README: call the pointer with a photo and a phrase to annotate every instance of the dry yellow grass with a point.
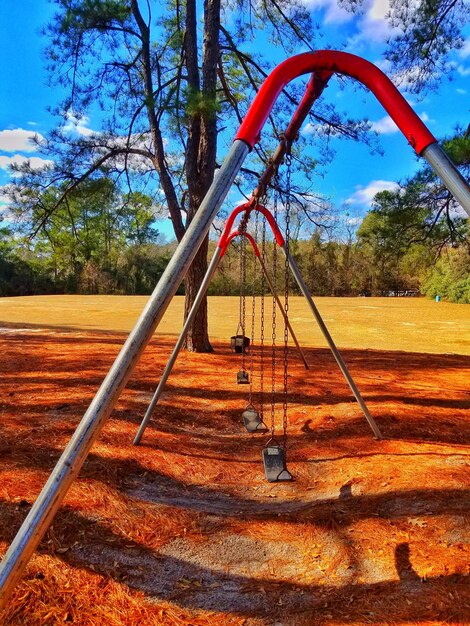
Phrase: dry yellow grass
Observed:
(408, 324)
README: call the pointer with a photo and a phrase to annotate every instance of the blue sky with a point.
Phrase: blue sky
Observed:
(350, 180)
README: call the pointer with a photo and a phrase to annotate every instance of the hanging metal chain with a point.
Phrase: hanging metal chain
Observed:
(243, 298)
(253, 312)
(240, 285)
(244, 221)
(273, 335)
(261, 340)
(286, 301)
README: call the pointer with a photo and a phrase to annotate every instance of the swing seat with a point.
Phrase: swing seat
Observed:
(274, 461)
(242, 378)
(252, 420)
(239, 343)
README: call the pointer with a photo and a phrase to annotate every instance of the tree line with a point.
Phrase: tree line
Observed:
(99, 240)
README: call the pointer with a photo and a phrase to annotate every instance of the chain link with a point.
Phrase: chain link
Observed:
(243, 298)
(286, 302)
(263, 289)
(253, 311)
(244, 221)
(273, 334)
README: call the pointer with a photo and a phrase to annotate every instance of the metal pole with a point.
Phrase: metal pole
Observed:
(73, 457)
(449, 174)
(281, 308)
(171, 361)
(339, 359)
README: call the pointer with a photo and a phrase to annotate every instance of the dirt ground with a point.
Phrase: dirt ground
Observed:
(184, 529)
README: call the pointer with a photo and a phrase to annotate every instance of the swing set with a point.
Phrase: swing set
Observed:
(274, 453)
(321, 66)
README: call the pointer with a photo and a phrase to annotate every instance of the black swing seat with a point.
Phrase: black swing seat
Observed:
(252, 420)
(274, 461)
(239, 343)
(243, 378)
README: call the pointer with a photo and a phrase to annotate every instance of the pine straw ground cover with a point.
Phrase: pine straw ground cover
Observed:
(185, 530)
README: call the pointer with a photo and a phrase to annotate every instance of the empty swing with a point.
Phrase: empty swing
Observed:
(253, 419)
(240, 342)
(275, 451)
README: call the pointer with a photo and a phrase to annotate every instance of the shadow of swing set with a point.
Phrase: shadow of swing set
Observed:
(321, 66)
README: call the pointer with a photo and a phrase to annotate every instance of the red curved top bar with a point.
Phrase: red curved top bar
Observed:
(351, 65)
(236, 233)
(240, 209)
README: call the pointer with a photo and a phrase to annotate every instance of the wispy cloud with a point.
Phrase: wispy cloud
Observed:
(384, 126)
(334, 14)
(463, 71)
(464, 51)
(36, 163)
(461, 91)
(373, 25)
(12, 140)
(365, 194)
(353, 221)
(4, 198)
(77, 124)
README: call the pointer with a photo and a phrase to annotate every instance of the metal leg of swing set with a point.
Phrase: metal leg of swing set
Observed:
(192, 313)
(339, 359)
(49, 500)
(179, 344)
(284, 315)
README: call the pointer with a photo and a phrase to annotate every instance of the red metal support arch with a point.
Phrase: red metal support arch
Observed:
(331, 61)
(237, 233)
(248, 207)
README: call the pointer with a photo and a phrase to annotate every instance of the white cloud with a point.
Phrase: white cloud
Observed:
(311, 129)
(18, 139)
(464, 51)
(334, 14)
(77, 124)
(378, 9)
(321, 130)
(463, 71)
(353, 221)
(404, 79)
(36, 163)
(461, 91)
(373, 25)
(365, 195)
(384, 126)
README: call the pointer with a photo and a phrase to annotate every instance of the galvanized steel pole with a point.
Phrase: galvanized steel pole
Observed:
(449, 174)
(73, 457)
(339, 359)
(179, 344)
(284, 315)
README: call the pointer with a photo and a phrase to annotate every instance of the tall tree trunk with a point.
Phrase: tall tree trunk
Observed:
(201, 151)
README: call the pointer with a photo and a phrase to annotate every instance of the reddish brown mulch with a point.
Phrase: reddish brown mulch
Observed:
(184, 529)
